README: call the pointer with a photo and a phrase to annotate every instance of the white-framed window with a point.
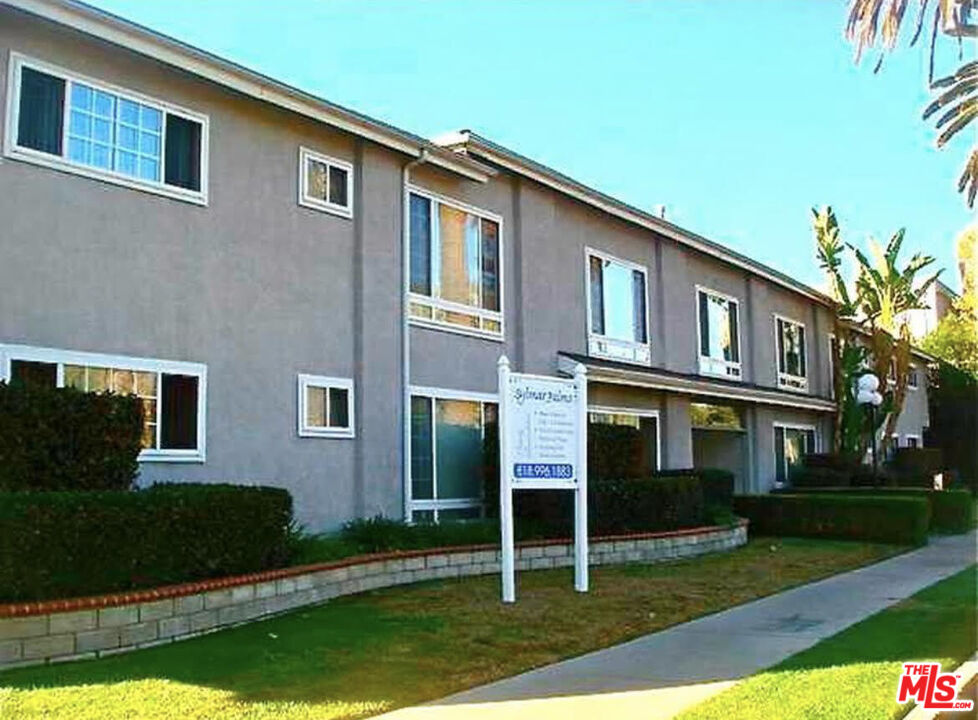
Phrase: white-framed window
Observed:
(913, 378)
(63, 120)
(447, 434)
(174, 394)
(455, 266)
(325, 183)
(646, 422)
(617, 308)
(718, 320)
(833, 344)
(791, 444)
(325, 407)
(912, 441)
(792, 354)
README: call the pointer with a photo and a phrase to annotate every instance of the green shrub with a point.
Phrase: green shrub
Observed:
(380, 534)
(817, 477)
(64, 544)
(614, 451)
(952, 511)
(718, 484)
(65, 439)
(901, 520)
(645, 505)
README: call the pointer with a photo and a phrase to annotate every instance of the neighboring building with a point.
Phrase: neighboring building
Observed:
(939, 298)
(309, 298)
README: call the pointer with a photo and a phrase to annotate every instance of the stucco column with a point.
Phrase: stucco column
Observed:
(677, 436)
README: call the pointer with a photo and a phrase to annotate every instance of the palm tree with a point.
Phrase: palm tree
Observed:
(885, 293)
(872, 20)
(882, 296)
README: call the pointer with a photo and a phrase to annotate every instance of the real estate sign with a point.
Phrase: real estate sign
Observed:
(542, 446)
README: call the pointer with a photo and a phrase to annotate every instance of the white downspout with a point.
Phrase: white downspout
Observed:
(406, 331)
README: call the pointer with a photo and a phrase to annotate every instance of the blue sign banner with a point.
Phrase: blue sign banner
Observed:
(543, 471)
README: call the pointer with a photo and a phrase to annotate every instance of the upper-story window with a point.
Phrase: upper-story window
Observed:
(792, 362)
(913, 378)
(62, 120)
(325, 183)
(455, 266)
(719, 334)
(617, 317)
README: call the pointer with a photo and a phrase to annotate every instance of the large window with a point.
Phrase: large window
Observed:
(617, 312)
(791, 444)
(455, 266)
(719, 334)
(173, 393)
(325, 407)
(646, 423)
(913, 378)
(60, 119)
(792, 361)
(325, 183)
(447, 434)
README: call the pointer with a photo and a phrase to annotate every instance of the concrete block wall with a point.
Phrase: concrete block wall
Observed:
(82, 628)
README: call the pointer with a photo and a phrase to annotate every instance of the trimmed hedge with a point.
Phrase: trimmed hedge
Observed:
(64, 544)
(902, 520)
(647, 504)
(66, 439)
(718, 484)
(951, 511)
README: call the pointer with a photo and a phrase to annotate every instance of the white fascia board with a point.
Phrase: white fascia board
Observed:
(144, 41)
(464, 139)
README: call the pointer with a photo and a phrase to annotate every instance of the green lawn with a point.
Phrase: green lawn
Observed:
(363, 654)
(853, 675)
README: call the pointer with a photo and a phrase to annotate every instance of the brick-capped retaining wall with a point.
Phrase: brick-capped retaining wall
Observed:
(56, 630)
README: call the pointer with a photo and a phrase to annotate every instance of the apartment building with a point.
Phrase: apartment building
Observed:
(309, 298)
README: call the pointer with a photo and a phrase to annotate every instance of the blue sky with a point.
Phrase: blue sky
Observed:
(738, 116)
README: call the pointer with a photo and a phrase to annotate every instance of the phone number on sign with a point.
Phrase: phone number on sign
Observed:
(542, 471)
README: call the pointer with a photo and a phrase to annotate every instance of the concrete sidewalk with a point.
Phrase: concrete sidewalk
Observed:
(658, 675)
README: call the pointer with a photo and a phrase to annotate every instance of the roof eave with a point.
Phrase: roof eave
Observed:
(474, 144)
(111, 28)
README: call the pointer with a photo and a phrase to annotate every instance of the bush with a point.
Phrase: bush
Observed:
(613, 452)
(916, 467)
(952, 511)
(645, 505)
(817, 477)
(901, 520)
(380, 534)
(64, 544)
(718, 484)
(65, 439)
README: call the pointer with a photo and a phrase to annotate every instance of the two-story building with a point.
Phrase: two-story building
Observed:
(307, 297)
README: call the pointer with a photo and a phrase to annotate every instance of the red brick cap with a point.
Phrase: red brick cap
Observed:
(163, 592)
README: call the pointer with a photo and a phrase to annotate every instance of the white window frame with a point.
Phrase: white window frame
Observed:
(9, 353)
(913, 372)
(306, 200)
(435, 303)
(598, 345)
(615, 410)
(435, 504)
(791, 426)
(16, 152)
(718, 367)
(787, 381)
(305, 382)
(908, 436)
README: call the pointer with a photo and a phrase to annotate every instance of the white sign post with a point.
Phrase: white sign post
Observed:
(542, 446)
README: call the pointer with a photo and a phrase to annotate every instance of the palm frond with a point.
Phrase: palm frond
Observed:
(968, 182)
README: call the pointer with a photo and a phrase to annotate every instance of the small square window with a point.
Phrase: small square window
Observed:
(325, 407)
(325, 183)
